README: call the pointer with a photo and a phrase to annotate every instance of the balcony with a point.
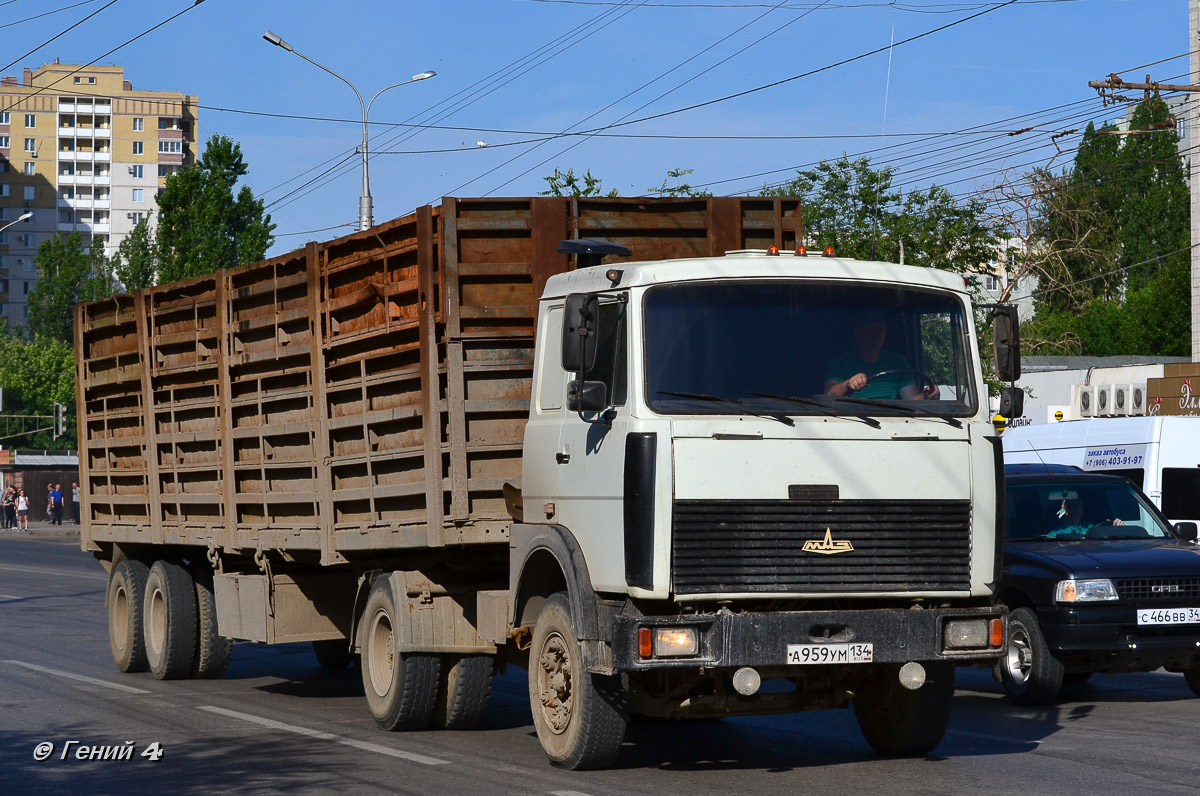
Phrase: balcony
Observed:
(65, 227)
(102, 203)
(100, 228)
(103, 157)
(67, 179)
(102, 132)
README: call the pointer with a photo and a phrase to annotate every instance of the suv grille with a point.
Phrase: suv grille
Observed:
(757, 545)
(1158, 589)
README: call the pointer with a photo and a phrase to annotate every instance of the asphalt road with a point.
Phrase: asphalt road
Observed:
(278, 723)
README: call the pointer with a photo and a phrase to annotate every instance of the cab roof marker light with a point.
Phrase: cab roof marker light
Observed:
(827, 252)
(801, 251)
(773, 251)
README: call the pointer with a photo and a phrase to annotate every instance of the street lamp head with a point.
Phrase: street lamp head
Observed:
(278, 42)
(425, 75)
(25, 217)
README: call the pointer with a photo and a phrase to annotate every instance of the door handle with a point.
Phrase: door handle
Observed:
(562, 458)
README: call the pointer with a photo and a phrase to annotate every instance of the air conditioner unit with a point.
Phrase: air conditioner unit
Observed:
(129, 215)
(1106, 400)
(29, 203)
(1085, 400)
(1136, 405)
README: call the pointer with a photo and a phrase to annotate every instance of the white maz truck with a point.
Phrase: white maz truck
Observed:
(656, 487)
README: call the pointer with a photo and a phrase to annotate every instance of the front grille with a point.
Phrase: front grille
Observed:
(757, 546)
(1158, 589)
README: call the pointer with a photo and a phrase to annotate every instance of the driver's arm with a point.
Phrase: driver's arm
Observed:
(912, 392)
(840, 388)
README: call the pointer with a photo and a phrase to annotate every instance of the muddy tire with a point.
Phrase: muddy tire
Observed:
(902, 722)
(401, 688)
(579, 716)
(1192, 676)
(169, 610)
(126, 590)
(465, 689)
(1030, 673)
(212, 649)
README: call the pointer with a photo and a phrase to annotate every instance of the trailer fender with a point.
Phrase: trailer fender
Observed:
(546, 559)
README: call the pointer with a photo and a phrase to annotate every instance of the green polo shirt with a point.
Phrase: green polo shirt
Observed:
(844, 366)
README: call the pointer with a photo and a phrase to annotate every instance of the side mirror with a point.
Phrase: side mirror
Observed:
(579, 339)
(1186, 531)
(1007, 334)
(592, 398)
(1012, 402)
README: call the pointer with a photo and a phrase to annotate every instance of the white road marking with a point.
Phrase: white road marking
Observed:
(59, 572)
(326, 736)
(71, 675)
(9, 597)
(568, 793)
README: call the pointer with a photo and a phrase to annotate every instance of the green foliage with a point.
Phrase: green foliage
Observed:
(204, 226)
(67, 274)
(136, 262)
(35, 374)
(853, 207)
(566, 183)
(679, 188)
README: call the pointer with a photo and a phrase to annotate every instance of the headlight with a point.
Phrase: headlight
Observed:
(1085, 591)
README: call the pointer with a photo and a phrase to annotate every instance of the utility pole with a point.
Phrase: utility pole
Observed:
(1110, 90)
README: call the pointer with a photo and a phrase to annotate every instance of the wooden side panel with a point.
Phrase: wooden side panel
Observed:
(112, 427)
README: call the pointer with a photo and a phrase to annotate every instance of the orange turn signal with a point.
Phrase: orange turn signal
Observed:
(996, 633)
(645, 647)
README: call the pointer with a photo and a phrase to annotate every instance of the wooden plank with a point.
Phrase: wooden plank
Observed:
(228, 535)
(322, 444)
(149, 450)
(81, 429)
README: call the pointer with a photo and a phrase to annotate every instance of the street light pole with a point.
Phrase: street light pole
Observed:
(366, 217)
(19, 219)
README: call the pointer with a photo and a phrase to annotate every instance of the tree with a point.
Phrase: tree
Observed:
(67, 274)
(36, 374)
(136, 262)
(679, 188)
(204, 226)
(566, 183)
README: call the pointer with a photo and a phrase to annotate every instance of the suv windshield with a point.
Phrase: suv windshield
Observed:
(1079, 510)
(807, 348)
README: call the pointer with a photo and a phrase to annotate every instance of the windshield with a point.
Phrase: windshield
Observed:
(1079, 510)
(807, 348)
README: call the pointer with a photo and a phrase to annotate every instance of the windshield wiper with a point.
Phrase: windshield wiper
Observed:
(820, 407)
(699, 396)
(906, 408)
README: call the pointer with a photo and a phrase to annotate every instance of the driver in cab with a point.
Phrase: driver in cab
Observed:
(870, 371)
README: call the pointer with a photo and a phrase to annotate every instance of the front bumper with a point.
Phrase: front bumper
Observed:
(760, 639)
(1113, 629)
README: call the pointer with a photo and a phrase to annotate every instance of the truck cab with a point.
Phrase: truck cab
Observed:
(762, 466)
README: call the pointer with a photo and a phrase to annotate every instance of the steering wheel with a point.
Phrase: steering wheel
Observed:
(926, 379)
(1103, 524)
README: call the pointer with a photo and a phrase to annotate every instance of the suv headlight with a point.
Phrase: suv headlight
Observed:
(1085, 591)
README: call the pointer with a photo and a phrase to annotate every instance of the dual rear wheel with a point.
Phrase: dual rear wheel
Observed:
(164, 618)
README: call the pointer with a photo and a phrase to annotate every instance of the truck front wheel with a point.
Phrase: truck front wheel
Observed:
(401, 687)
(1030, 673)
(579, 716)
(126, 588)
(899, 721)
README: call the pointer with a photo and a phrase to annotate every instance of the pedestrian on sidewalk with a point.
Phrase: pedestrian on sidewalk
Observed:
(56, 505)
(10, 508)
(75, 502)
(23, 511)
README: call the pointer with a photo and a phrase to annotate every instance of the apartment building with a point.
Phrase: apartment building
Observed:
(81, 151)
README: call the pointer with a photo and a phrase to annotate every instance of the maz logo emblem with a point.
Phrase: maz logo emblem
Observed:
(827, 546)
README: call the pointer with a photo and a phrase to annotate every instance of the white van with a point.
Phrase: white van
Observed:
(1159, 454)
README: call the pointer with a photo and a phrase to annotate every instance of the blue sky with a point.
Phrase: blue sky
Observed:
(1028, 57)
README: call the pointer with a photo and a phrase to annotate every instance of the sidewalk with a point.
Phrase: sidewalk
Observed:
(44, 529)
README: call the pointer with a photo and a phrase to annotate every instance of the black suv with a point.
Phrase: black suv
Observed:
(1096, 579)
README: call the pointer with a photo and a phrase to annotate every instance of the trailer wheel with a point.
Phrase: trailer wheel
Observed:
(334, 654)
(126, 588)
(579, 716)
(1030, 672)
(902, 722)
(465, 688)
(1192, 676)
(170, 620)
(401, 687)
(212, 649)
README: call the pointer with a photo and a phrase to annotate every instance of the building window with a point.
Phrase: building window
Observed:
(139, 124)
(992, 283)
(4, 118)
(26, 288)
(3, 165)
(3, 189)
(1012, 259)
(30, 121)
(31, 145)
(138, 171)
(166, 171)
(30, 193)
(165, 123)
(30, 169)
(137, 195)
(170, 147)
(137, 147)
(4, 142)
